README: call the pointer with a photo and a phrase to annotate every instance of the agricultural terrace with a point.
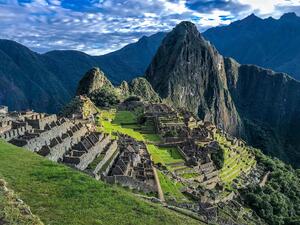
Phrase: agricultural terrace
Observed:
(237, 160)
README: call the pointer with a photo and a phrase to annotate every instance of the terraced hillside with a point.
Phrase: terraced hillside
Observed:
(60, 195)
(126, 122)
(237, 159)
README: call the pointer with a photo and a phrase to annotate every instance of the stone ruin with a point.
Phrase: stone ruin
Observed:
(76, 143)
(132, 167)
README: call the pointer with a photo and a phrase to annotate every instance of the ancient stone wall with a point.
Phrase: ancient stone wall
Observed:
(87, 158)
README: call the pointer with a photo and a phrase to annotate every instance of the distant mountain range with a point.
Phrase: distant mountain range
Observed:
(270, 43)
(46, 82)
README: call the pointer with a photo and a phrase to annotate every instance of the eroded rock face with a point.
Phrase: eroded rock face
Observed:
(93, 80)
(256, 104)
(189, 72)
(142, 88)
(269, 104)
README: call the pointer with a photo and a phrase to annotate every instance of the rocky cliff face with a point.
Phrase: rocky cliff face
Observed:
(142, 88)
(189, 72)
(259, 105)
(269, 104)
(93, 80)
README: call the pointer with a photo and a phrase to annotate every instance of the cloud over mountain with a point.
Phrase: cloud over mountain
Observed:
(100, 26)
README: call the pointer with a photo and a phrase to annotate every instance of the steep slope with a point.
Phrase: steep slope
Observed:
(62, 196)
(46, 82)
(132, 60)
(188, 72)
(267, 42)
(25, 82)
(269, 104)
(258, 104)
(93, 80)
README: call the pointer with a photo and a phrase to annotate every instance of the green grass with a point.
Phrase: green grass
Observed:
(13, 211)
(171, 189)
(125, 117)
(60, 195)
(190, 175)
(164, 155)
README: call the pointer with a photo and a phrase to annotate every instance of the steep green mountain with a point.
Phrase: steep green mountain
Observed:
(271, 43)
(26, 82)
(188, 72)
(45, 82)
(100, 90)
(93, 80)
(259, 105)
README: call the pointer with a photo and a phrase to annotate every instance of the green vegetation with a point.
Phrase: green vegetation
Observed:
(125, 117)
(165, 155)
(218, 158)
(104, 97)
(60, 195)
(171, 189)
(237, 160)
(14, 211)
(278, 202)
(190, 175)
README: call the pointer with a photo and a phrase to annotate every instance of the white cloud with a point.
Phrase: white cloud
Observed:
(110, 24)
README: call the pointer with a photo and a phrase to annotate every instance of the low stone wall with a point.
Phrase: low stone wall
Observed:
(111, 150)
(131, 183)
(89, 157)
(44, 138)
(182, 154)
(104, 173)
(59, 150)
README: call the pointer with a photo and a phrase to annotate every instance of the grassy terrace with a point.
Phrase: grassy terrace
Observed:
(234, 163)
(171, 189)
(63, 196)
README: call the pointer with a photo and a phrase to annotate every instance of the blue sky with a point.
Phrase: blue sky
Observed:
(100, 26)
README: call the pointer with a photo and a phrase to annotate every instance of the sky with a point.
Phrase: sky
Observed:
(101, 26)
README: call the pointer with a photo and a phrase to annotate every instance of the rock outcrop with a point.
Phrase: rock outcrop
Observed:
(95, 84)
(93, 80)
(256, 104)
(142, 88)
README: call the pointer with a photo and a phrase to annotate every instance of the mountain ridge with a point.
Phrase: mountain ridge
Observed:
(269, 42)
(53, 76)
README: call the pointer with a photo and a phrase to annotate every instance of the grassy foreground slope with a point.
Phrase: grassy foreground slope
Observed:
(60, 195)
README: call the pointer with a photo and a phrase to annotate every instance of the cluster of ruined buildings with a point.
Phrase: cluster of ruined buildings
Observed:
(123, 160)
(183, 131)
(194, 140)
(76, 142)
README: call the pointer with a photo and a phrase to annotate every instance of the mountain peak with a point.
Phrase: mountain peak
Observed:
(252, 17)
(290, 15)
(93, 80)
(186, 27)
